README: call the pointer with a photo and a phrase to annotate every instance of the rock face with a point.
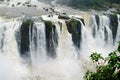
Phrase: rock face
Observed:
(25, 30)
(74, 28)
(97, 20)
(51, 38)
(114, 25)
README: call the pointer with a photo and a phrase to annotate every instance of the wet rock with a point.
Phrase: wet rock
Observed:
(63, 17)
(114, 25)
(13, 5)
(74, 28)
(106, 34)
(82, 21)
(18, 3)
(51, 38)
(60, 24)
(97, 20)
(25, 30)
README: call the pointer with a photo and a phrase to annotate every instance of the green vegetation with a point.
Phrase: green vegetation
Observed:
(91, 4)
(48, 23)
(107, 69)
(72, 24)
(74, 28)
(63, 17)
(28, 22)
(95, 57)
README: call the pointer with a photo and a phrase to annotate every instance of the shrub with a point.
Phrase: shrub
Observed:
(109, 70)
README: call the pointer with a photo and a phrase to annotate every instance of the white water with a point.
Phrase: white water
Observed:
(38, 42)
(66, 66)
(97, 43)
(10, 66)
(64, 48)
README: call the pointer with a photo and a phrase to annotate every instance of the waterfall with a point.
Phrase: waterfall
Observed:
(8, 45)
(9, 53)
(65, 43)
(118, 30)
(57, 49)
(37, 42)
(105, 32)
(97, 37)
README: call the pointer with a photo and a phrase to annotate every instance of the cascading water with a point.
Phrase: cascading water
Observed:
(118, 30)
(9, 54)
(37, 42)
(7, 38)
(57, 49)
(100, 37)
(64, 48)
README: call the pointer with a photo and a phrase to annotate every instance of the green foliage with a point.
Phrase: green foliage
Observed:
(95, 57)
(28, 22)
(74, 28)
(73, 22)
(109, 70)
(63, 17)
(48, 23)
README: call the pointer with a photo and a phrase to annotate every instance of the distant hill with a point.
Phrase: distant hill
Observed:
(91, 4)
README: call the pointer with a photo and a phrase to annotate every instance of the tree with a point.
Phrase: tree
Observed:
(109, 70)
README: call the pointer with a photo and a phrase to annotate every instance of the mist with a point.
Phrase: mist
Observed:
(63, 2)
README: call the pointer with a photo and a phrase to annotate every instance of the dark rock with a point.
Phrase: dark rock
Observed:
(64, 13)
(51, 39)
(106, 34)
(82, 21)
(60, 24)
(13, 5)
(35, 5)
(97, 20)
(46, 9)
(18, 3)
(25, 30)
(114, 25)
(74, 28)
(29, 5)
(27, 2)
(52, 9)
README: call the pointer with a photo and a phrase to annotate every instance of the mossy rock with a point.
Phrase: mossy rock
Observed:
(114, 24)
(48, 26)
(28, 22)
(48, 23)
(71, 25)
(24, 30)
(63, 17)
(74, 28)
(51, 38)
